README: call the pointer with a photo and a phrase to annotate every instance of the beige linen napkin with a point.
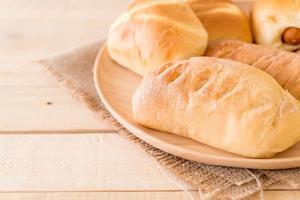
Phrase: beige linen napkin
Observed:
(74, 69)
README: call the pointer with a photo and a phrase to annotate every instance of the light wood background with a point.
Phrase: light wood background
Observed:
(51, 146)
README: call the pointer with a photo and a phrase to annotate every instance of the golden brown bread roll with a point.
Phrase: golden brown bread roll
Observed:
(277, 23)
(284, 66)
(221, 103)
(153, 32)
(222, 19)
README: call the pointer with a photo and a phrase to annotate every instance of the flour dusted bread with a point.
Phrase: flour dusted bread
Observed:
(153, 32)
(221, 103)
(277, 23)
(222, 19)
(284, 66)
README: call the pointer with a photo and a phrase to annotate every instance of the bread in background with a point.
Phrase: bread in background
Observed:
(153, 32)
(284, 66)
(225, 104)
(222, 19)
(274, 23)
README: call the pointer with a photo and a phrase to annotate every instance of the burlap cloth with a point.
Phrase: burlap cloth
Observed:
(74, 69)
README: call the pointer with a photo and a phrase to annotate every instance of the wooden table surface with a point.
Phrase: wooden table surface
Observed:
(52, 146)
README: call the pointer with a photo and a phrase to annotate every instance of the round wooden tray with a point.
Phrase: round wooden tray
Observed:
(115, 85)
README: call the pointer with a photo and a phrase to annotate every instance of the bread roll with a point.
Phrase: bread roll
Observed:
(282, 65)
(153, 32)
(272, 20)
(221, 103)
(222, 20)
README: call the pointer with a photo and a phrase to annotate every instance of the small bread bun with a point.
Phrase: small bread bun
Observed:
(277, 23)
(222, 20)
(154, 32)
(228, 105)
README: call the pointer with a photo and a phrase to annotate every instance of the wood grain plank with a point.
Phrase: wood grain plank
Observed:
(84, 162)
(31, 29)
(99, 195)
(25, 92)
(20, 45)
(161, 195)
(31, 98)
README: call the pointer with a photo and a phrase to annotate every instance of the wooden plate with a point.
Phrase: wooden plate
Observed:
(115, 86)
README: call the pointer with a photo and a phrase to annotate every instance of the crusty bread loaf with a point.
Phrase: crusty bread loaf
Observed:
(222, 19)
(272, 18)
(284, 66)
(224, 104)
(153, 32)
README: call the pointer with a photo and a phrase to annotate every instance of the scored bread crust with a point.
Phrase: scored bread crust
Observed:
(284, 66)
(271, 17)
(221, 103)
(222, 19)
(154, 32)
